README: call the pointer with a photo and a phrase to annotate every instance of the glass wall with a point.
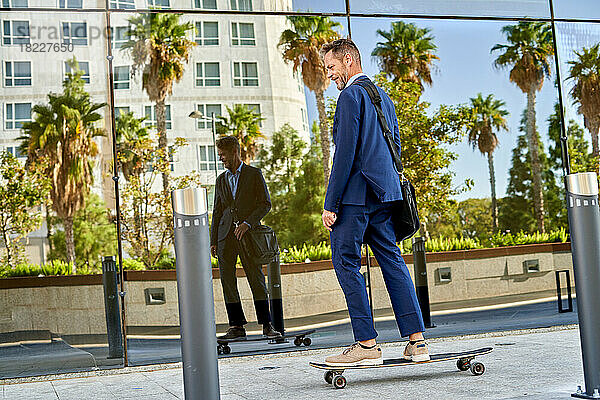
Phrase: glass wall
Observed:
(249, 68)
(504, 8)
(56, 130)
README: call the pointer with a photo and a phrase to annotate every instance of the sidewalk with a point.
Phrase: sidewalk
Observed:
(529, 364)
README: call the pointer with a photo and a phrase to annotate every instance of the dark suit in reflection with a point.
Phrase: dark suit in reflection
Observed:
(250, 204)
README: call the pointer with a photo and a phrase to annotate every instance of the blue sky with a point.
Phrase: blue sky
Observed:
(465, 69)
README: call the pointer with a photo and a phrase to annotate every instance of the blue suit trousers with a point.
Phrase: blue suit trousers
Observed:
(372, 224)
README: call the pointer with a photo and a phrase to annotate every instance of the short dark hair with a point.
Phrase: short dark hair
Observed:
(340, 47)
(229, 144)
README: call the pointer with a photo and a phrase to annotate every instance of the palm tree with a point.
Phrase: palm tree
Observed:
(159, 47)
(244, 124)
(528, 55)
(60, 138)
(300, 46)
(131, 134)
(130, 130)
(585, 71)
(407, 53)
(489, 117)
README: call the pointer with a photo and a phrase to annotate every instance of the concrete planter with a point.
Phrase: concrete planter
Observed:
(73, 305)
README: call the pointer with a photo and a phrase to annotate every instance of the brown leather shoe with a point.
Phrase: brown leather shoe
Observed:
(235, 332)
(270, 332)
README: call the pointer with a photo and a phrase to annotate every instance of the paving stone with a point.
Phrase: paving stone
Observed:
(523, 365)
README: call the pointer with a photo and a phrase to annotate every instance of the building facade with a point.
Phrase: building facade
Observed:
(235, 61)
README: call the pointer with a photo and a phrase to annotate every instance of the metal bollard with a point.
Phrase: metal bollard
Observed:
(569, 307)
(195, 292)
(274, 275)
(420, 265)
(111, 307)
(584, 225)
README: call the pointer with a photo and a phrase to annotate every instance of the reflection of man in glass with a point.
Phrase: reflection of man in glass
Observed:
(241, 201)
(362, 187)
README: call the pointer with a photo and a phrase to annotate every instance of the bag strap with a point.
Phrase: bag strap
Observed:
(387, 133)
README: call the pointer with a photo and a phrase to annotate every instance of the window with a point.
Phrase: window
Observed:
(16, 114)
(159, 4)
(150, 113)
(17, 73)
(121, 77)
(84, 66)
(120, 36)
(206, 159)
(245, 74)
(15, 152)
(242, 34)
(208, 74)
(15, 3)
(304, 119)
(75, 32)
(70, 3)
(15, 32)
(207, 33)
(241, 5)
(207, 110)
(120, 111)
(172, 158)
(298, 78)
(206, 4)
(122, 4)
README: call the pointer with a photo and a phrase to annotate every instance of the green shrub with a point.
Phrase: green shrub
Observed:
(55, 267)
(321, 251)
(165, 261)
(444, 244)
(452, 244)
(131, 264)
(508, 239)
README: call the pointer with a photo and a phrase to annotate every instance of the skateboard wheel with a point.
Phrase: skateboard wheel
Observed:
(226, 349)
(463, 364)
(307, 341)
(298, 341)
(339, 382)
(328, 377)
(477, 368)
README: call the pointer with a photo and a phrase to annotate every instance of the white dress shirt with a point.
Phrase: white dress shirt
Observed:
(353, 78)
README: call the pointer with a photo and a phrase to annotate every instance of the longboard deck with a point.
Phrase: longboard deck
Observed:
(299, 334)
(397, 362)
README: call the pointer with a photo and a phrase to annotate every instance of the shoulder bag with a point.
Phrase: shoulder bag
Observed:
(405, 214)
(259, 243)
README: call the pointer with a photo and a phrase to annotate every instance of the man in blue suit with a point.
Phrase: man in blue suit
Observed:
(358, 209)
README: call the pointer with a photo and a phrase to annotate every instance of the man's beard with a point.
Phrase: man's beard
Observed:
(343, 80)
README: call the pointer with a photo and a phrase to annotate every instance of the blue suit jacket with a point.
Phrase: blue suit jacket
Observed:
(362, 159)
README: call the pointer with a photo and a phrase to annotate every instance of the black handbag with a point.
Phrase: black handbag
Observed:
(260, 244)
(405, 214)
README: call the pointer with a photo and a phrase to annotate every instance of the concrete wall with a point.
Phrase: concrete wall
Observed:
(308, 289)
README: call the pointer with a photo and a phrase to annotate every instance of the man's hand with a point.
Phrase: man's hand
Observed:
(329, 219)
(213, 251)
(240, 230)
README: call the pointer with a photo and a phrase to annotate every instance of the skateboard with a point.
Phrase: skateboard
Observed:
(300, 338)
(333, 374)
